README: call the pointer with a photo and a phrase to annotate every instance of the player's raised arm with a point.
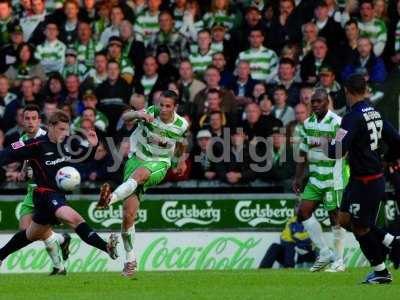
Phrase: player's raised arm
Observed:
(19, 151)
(135, 115)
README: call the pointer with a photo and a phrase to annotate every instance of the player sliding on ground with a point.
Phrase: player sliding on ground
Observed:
(360, 136)
(155, 145)
(55, 242)
(48, 154)
(327, 179)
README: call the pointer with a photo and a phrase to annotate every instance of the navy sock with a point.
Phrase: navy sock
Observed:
(90, 237)
(18, 241)
(372, 248)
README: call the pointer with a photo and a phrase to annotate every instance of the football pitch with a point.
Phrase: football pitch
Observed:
(243, 284)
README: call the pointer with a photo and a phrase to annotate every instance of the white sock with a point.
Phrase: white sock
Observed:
(53, 249)
(124, 190)
(128, 238)
(380, 267)
(314, 229)
(60, 238)
(388, 239)
(338, 241)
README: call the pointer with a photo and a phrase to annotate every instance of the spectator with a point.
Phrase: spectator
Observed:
(6, 21)
(166, 69)
(260, 88)
(178, 10)
(34, 23)
(258, 125)
(72, 66)
(98, 74)
(116, 16)
(150, 81)
(372, 27)
(103, 20)
(286, 77)
(114, 52)
(86, 46)
(14, 133)
(310, 34)
(203, 166)
(69, 24)
(366, 58)
(281, 162)
(301, 114)
(137, 102)
(49, 107)
(73, 96)
(221, 44)
(217, 121)
(328, 28)
(8, 52)
(327, 81)
(263, 61)
(348, 46)
(219, 61)
(252, 19)
(213, 104)
(191, 23)
(212, 79)
(55, 88)
(169, 37)
(147, 25)
(6, 98)
(188, 85)
(88, 13)
(312, 62)
(113, 94)
(51, 54)
(202, 58)
(294, 240)
(287, 25)
(306, 92)
(243, 84)
(221, 13)
(282, 110)
(238, 168)
(96, 169)
(133, 49)
(26, 66)
(266, 105)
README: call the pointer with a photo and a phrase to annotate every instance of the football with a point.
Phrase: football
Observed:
(68, 179)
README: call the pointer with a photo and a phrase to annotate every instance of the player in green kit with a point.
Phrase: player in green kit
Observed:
(327, 179)
(55, 242)
(156, 144)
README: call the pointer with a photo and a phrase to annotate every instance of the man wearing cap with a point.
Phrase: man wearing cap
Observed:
(327, 81)
(8, 52)
(114, 52)
(72, 66)
(327, 179)
(203, 167)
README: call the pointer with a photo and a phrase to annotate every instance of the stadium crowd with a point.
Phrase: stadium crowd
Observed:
(244, 71)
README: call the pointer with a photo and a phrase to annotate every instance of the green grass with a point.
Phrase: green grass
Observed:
(251, 284)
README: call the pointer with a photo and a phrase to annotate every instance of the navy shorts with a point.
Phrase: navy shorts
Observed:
(362, 200)
(46, 204)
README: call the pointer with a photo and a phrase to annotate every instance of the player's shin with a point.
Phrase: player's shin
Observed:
(53, 249)
(313, 227)
(124, 190)
(338, 242)
(18, 241)
(128, 238)
(90, 237)
(373, 249)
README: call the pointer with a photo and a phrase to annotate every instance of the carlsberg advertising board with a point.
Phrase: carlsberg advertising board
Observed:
(161, 251)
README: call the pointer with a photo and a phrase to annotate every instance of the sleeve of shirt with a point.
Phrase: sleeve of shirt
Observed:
(20, 151)
(344, 137)
(303, 140)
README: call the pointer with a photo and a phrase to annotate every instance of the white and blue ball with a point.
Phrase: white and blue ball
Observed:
(68, 179)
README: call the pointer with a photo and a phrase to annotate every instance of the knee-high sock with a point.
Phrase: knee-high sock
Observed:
(128, 238)
(123, 191)
(338, 241)
(18, 241)
(314, 229)
(372, 248)
(53, 249)
(90, 237)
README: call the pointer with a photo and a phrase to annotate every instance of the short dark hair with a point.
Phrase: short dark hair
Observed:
(280, 87)
(257, 28)
(214, 91)
(287, 61)
(32, 107)
(356, 84)
(170, 94)
(371, 2)
(57, 117)
(350, 22)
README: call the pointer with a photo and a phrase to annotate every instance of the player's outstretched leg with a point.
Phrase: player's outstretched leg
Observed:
(122, 192)
(18, 241)
(391, 242)
(314, 229)
(338, 242)
(131, 206)
(69, 216)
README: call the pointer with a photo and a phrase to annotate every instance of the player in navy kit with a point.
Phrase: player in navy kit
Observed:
(361, 133)
(47, 154)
